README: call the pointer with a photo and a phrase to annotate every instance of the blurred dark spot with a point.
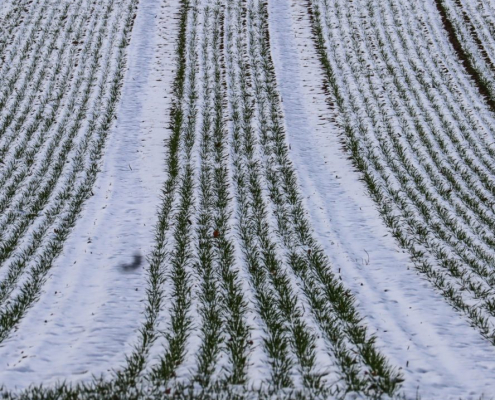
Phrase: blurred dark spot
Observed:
(134, 265)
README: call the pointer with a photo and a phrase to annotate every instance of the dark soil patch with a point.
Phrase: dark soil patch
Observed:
(463, 57)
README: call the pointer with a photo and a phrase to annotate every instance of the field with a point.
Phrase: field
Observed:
(247, 199)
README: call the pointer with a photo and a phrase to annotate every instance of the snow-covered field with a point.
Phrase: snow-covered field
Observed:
(247, 199)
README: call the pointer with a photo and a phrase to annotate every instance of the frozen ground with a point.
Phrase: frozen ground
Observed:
(91, 306)
(440, 354)
(86, 320)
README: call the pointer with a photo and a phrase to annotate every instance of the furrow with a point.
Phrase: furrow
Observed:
(27, 221)
(402, 166)
(27, 94)
(290, 329)
(159, 259)
(179, 324)
(304, 254)
(469, 48)
(373, 160)
(14, 50)
(10, 24)
(29, 63)
(31, 288)
(24, 147)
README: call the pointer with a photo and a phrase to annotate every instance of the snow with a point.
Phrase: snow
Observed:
(87, 318)
(92, 304)
(441, 356)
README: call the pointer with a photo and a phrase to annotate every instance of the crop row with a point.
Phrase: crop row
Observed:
(234, 241)
(472, 25)
(421, 134)
(59, 96)
(241, 299)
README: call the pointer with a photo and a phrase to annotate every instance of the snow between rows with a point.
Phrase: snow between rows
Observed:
(414, 325)
(96, 308)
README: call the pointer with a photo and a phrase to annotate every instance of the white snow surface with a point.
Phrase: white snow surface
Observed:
(87, 318)
(440, 355)
(91, 308)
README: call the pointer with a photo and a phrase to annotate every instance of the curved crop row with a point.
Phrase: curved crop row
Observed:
(472, 25)
(423, 147)
(58, 121)
(276, 326)
(241, 301)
